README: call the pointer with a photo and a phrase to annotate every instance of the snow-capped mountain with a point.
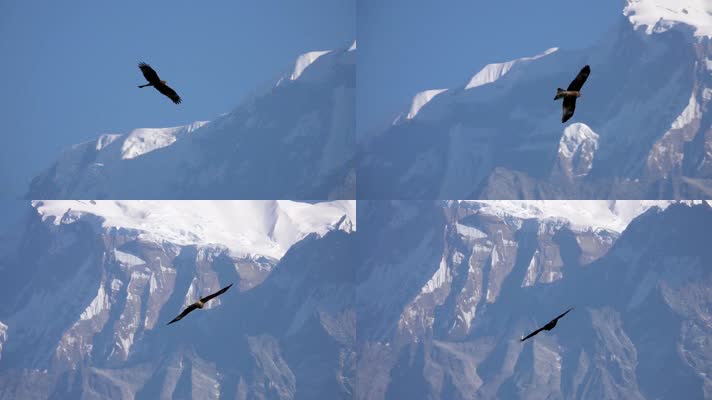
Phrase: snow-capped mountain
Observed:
(448, 289)
(89, 286)
(267, 228)
(294, 139)
(642, 128)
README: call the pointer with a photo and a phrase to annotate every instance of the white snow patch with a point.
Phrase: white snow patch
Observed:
(126, 343)
(489, 297)
(457, 257)
(493, 72)
(467, 317)
(305, 60)
(106, 139)
(532, 271)
(152, 284)
(3, 336)
(469, 232)
(190, 296)
(439, 278)
(267, 228)
(127, 259)
(353, 46)
(478, 248)
(100, 303)
(495, 256)
(145, 140)
(138, 276)
(116, 284)
(661, 15)
(420, 100)
(689, 114)
(574, 136)
(583, 215)
(707, 94)
(552, 276)
(577, 148)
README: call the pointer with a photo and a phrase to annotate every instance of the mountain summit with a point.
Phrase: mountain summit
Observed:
(643, 130)
(304, 118)
(656, 16)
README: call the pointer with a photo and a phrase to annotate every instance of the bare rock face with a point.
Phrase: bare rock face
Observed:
(426, 300)
(451, 330)
(94, 323)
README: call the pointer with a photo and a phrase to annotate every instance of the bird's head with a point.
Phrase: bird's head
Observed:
(199, 303)
(164, 82)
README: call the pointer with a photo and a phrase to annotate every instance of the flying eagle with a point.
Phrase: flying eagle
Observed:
(572, 92)
(153, 80)
(199, 304)
(546, 327)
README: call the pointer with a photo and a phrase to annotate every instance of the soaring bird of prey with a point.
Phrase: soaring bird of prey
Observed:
(199, 304)
(546, 327)
(153, 80)
(572, 93)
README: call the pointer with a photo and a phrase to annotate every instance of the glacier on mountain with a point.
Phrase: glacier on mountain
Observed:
(657, 16)
(244, 227)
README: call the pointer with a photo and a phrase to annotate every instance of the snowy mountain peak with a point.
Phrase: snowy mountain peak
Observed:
(113, 146)
(226, 158)
(267, 228)
(492, 72)
(574, 135)
(145, 140)
(422, 99)
(304, 61)
(661, 15)
(577, 149)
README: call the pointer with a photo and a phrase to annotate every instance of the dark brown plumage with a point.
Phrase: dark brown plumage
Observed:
(546, 327)
(199, 304)
(153, 80)
(572, 93)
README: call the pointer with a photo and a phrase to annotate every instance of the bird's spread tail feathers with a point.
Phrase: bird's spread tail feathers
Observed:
(559, 94)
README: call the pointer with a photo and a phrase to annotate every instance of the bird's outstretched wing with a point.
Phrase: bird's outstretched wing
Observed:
(568, 107)
(185, 312)
(580, 79)
(565, 312)
(168, 92)
(531, 334)
(216, 294)
(148, 73)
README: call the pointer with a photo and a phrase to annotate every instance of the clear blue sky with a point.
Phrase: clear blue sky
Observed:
(406, 46)
(69, 72)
